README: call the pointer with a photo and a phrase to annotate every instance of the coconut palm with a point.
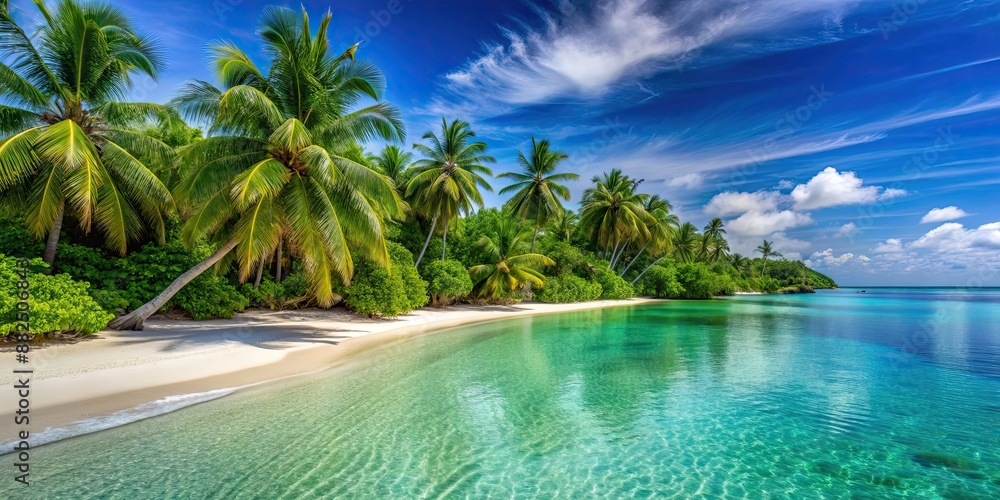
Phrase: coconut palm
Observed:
(686, 243)
(766, 250)
(279, 162)
(661, 230)
(69, 149)
(508, 269)
(536, 188)
(739, 263)
(614, 213)
(684, 247)
(394, 163)
(446, 182)
(718, 249)
(564, 224)
(710, 238)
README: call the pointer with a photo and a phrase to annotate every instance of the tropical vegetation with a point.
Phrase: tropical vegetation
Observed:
(263, 189)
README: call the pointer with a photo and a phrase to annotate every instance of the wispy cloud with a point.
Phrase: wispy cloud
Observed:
(582, 53)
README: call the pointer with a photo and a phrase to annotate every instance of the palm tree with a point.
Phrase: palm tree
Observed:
(394, 163)
(536, 188)
(69, 146)
(270, 169)
(710, 237)
(614, 213)
(685, 243)
(739, 263)
(446, 182)
(564, 224)
(508, 269)
(661, 231)
(766, 251)
(718, 250)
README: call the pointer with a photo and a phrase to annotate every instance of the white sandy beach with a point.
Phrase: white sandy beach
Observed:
(115, 371)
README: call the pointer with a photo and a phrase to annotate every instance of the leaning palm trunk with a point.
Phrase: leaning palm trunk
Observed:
(135, 319)
(655, 262)
(629, 266)
(49, 255)
(444, 241)
(430, 233)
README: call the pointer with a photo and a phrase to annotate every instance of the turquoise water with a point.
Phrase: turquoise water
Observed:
(893, 393)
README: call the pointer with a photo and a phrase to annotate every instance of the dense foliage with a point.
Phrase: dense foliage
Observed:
(277, 204)
(57, 304)
(387, 291)
(568, 288)
(447, 281)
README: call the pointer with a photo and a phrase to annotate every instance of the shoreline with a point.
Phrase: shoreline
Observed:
(109, 375)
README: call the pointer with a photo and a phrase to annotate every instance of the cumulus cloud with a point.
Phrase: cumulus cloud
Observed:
(891, 245)
(828, 258)
(732, 203)
(848, 230)
(943, 214)
(831, 188)
(755, 223)
(953, 237)
(687, 181)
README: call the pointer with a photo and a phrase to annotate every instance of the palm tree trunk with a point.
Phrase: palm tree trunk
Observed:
(764, 268)
(277, 268)
(430, 233)
(135, 319)
(260, 274)
(444, 240)
(655, 262)
(49, 255)
(629, 266)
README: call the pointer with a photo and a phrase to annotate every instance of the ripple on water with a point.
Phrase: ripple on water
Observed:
(719, 399)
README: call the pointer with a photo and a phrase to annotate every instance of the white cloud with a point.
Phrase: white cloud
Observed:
(891, 245)
(693, 180)
(952, 237)
(732, 203)
(756, 223)
(848, 230)
(785, 184)
(831, 188)
(584, 52)
(943, 214)
(827, 257)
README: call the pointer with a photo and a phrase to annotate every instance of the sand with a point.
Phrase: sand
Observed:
(116, 371)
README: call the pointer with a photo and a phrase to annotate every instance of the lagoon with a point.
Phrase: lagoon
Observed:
(895, 392)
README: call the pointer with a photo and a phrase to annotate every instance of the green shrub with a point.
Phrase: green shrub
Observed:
(57, 303)
(447, 281)
(699, 282)
(568, 288)
(613, 287)
(413, 285)
(291, 293)
(660, 282)
(125, 283)
(379, 291)
(15, 240)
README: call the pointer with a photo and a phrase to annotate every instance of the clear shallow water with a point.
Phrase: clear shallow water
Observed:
(887, 394)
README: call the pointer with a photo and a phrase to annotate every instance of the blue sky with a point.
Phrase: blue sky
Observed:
(862, 136)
